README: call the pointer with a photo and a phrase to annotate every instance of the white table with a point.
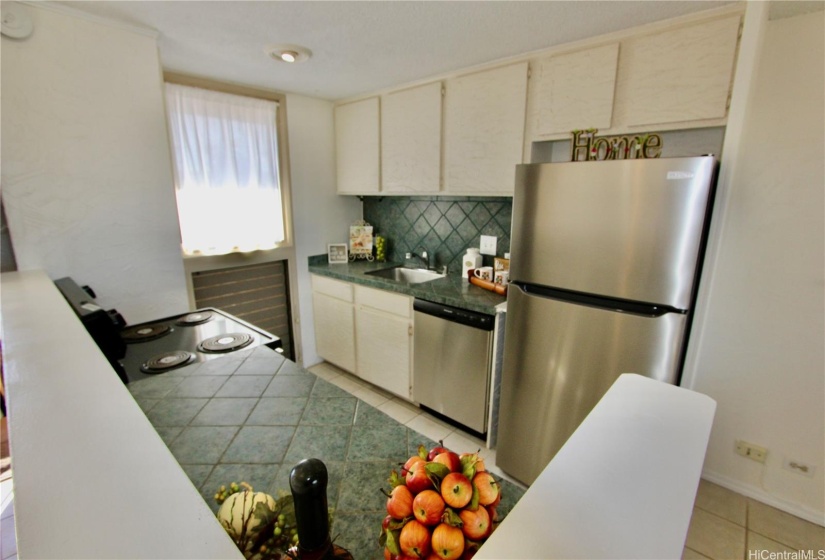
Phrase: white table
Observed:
(622, 486)
(92, 478)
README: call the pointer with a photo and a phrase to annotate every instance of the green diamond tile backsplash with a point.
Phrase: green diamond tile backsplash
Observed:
(445, 226)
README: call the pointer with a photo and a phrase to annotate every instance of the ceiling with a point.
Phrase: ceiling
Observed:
(359, 47)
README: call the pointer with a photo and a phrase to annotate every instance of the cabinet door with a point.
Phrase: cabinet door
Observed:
(573, 91)
(411, 140)
(679, 75)
(334, 330)
(357, 147)
(484, 130)
(384, 348)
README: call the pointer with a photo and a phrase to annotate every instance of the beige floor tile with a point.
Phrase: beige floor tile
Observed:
(784, 527)
(757, 543)
(398, 411)
(461, 442)
(721, 501)
(690, 554)
(430, 427)
(372, 396)
(715, 537)
(347, 383)
(325, 372)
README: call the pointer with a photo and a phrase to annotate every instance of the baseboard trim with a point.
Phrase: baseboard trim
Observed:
(760, 495)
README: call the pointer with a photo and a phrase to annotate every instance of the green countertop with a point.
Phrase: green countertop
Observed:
(252, 415)
(450, 290)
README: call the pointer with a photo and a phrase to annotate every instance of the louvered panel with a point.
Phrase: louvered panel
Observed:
(258, 294)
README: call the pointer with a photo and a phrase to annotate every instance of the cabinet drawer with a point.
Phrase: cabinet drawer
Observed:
(397, 304)
(334, 288)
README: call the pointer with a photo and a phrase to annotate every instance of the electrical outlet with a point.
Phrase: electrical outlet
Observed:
(751, 451)
(799, 467)
(488, 244)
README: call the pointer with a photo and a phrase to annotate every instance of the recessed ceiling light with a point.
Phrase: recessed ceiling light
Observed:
(288, 53)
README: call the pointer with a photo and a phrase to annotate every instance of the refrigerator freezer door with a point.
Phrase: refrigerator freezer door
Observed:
(627, 229)
(560, 358)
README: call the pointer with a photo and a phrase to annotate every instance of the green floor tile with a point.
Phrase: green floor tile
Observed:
(202, 444)
(225, 412)
(329, 411)
(175, 412)
(290, 386)
(277, 411)
(378, 443)
(327, 443)
(245, 386)
(259, 444)
(195, 386)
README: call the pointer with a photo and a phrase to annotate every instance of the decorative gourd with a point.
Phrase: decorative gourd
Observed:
(244, 514)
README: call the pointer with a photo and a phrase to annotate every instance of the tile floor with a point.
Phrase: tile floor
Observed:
(728, 525)
(725, 525)
(411, 416)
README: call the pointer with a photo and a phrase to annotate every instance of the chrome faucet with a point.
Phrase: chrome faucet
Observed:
(424, 257)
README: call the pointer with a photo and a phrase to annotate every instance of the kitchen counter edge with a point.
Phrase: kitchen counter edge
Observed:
(450, 290)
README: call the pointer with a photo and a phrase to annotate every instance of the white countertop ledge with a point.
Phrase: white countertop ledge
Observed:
(623, 485)
(92, 478)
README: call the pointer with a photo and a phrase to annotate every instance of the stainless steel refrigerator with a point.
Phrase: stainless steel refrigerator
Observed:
(605, 259)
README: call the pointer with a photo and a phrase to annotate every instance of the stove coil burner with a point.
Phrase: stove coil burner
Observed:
(166, 361)
(225, 342)
(145, 333)
(197, 318)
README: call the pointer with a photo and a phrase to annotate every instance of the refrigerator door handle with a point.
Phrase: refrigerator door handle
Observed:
(613, 304)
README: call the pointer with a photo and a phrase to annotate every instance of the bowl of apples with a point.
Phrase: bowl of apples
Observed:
(441, 506)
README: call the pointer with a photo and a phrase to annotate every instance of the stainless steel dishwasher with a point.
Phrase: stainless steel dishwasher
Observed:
(451, 366)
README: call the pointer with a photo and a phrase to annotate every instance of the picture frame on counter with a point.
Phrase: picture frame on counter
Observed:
(337, 253)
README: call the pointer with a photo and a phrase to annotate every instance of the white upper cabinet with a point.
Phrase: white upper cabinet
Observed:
(411, 140)
(357, 147)
(679, 75)
(484, 130)
(572, 91)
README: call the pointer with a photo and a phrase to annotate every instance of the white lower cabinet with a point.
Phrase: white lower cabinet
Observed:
(365, 331)
(334, 321)
(383, 339)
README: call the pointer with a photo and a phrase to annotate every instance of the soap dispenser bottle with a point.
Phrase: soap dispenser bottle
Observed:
(470, 261)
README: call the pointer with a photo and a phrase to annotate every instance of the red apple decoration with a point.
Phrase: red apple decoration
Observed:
(409, 464)
(450, 460)
(476, 524)
(442, 507)
(456, 490)
(400, 502)
(437, 450)
(488, 488)
(417, 479)
(479, 460)
(448, 542)
(428, 506)
(415, 539)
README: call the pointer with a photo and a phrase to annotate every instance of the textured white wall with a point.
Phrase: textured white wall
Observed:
(319, 215)
(758, 344)
(86, 170)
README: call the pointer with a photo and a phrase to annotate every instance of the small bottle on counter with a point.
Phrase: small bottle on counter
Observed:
(471, 260)
(308, 483)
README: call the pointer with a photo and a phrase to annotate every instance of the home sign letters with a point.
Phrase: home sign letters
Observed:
(586, 146)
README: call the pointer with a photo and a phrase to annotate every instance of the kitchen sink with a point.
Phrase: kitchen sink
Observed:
(407, 275)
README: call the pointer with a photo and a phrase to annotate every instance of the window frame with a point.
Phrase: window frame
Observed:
(285, 250)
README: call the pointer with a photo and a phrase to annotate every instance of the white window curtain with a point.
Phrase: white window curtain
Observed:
(225, 151)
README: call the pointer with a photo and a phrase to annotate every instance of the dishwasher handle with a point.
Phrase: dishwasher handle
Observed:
(473, 319)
